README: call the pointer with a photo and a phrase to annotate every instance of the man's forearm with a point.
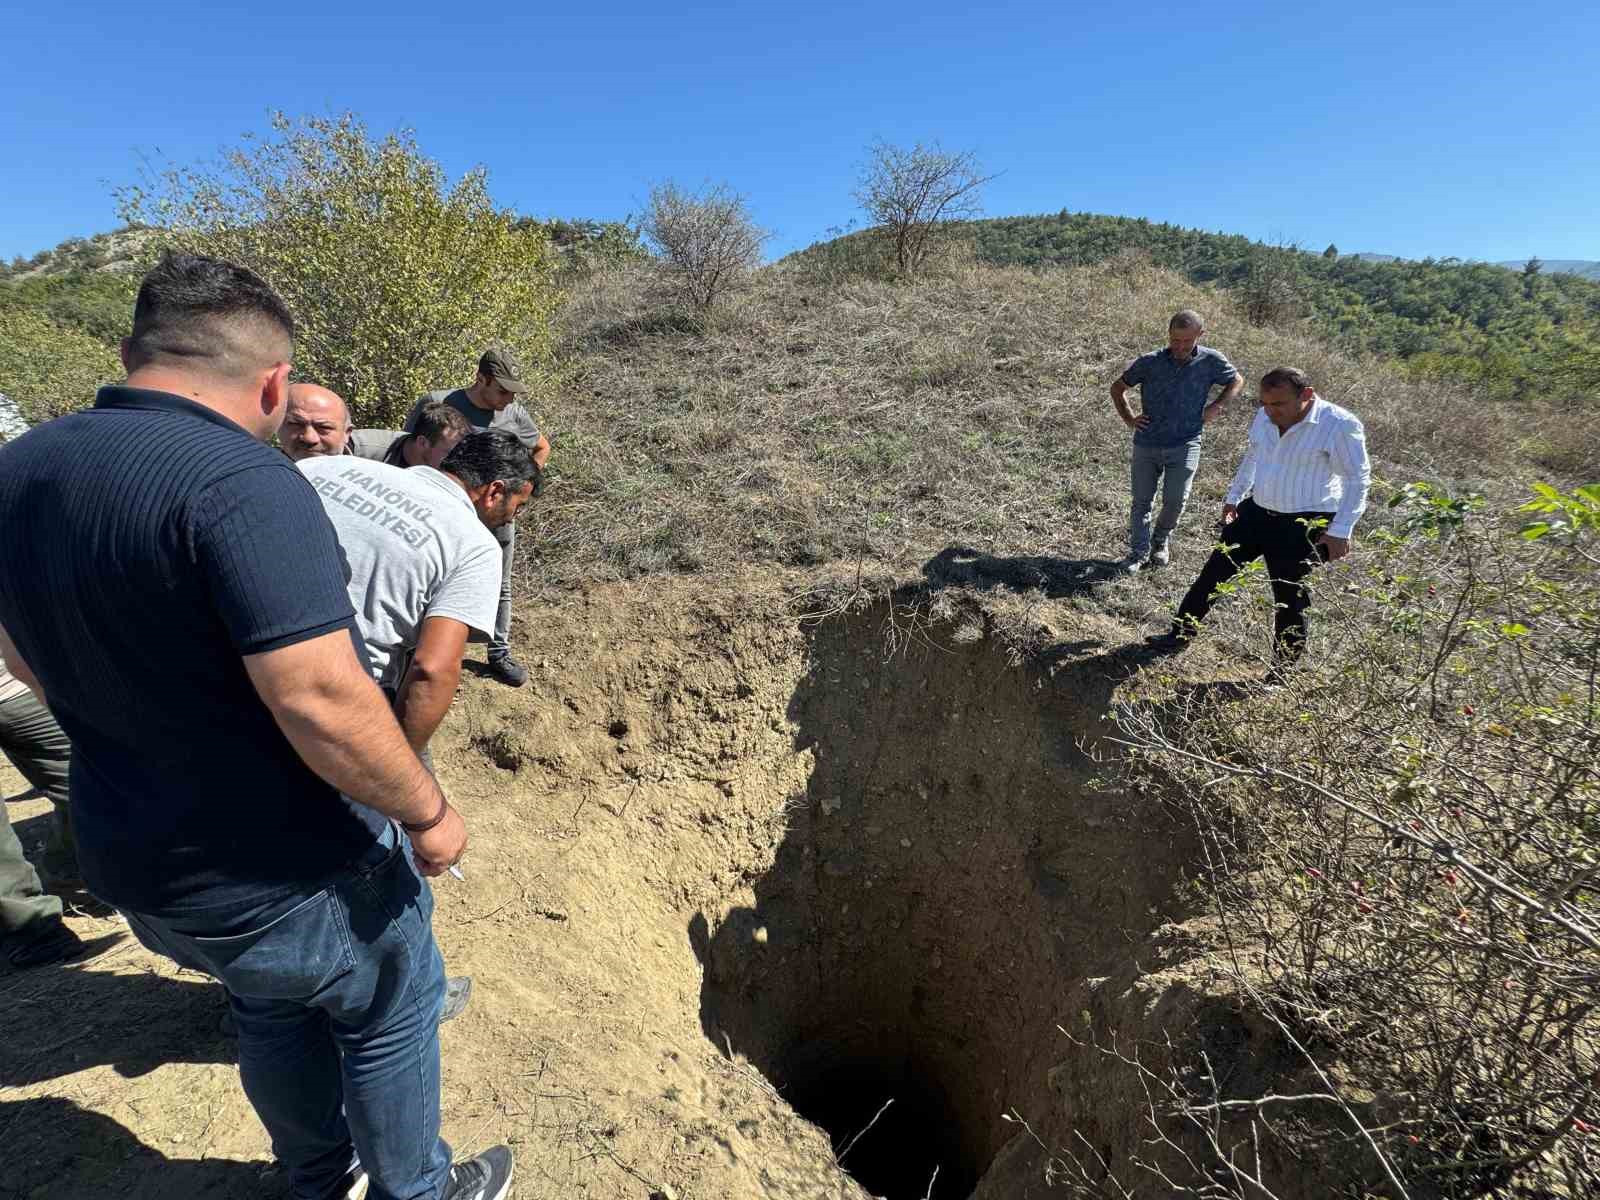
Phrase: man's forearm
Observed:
(339, 723)
(423, 699)
(1213, 410)
(354, 743)
(1119, 398)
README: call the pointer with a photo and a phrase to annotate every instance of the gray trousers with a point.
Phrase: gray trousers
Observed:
(500, 644)
(36, 746)
(1173, 468)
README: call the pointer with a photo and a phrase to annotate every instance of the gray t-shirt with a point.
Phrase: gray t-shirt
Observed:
(415, 549)
(513, 418)
(379, 445)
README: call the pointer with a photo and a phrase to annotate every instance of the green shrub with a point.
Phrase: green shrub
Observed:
(398, 280)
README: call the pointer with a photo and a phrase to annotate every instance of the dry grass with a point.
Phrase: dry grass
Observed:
(824, 418)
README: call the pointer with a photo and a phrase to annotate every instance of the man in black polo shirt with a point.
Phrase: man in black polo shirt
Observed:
(494, 402)
(175, 593)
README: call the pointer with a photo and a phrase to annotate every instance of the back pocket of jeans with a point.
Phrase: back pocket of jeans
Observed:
(293, 958)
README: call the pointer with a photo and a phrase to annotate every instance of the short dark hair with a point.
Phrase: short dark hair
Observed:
(490, 454)
(1291, 377)
(435, 417)
(206, 314)
(1186, 318)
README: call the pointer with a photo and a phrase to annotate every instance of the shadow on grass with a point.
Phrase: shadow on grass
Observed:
(957, 566)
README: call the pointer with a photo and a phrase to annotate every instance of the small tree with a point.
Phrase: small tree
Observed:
(708, 242)
(1331, 252)
(912, 193)
(397, 280)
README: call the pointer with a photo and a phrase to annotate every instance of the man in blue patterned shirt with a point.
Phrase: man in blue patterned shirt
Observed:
(1174, 408)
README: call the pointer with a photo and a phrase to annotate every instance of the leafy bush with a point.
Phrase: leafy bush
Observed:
(398, 281)
(47, 368)
(1403, 850)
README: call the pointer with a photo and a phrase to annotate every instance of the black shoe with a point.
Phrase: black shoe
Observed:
(508, 670)
(1172, 640)
(486, 1177)
(354, 1186)
(457, 992)
(1279, 674)
(53, 942)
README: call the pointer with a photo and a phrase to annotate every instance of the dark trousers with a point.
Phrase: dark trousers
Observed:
(1287, 542)
(31, 739)
(500, 644)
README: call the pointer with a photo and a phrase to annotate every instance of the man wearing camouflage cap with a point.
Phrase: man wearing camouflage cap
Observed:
(492, 402)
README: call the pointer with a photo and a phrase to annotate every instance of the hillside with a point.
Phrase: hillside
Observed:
(820, 790)
(1470, 321)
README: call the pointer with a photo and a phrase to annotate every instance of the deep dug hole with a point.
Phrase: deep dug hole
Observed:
(953, 871)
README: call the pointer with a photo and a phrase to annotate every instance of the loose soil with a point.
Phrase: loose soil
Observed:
(737, 881)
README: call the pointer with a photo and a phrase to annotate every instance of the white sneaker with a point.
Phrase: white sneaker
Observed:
(1160, 556)
(1132, 564)
(355, 1188)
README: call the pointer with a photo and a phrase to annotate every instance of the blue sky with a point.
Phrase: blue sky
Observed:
(1470, 129)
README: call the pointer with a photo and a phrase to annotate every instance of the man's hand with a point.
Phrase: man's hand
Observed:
(1210, 413)
(440, 848)
(1141, 421)
(1338, 547)
(1229, 512)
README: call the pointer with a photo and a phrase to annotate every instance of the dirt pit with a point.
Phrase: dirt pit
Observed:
(952, 870)
(754, 908)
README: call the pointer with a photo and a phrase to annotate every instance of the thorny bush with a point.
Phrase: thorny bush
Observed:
(1403, 856)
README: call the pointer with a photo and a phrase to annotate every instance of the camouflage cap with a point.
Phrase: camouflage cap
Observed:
(502, 368)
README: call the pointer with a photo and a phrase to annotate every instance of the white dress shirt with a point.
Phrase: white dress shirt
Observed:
(1319, 465)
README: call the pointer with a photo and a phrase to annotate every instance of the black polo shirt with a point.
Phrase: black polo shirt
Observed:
(148, 544)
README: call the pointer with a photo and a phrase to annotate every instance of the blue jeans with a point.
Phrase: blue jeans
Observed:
(337, 995)
(1172, 467)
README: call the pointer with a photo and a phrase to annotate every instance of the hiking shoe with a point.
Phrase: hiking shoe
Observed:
(53, 942)
(1131, 565)
(1279, 674)
(1174, 639)
(1160, 555)
(508, 670)
(485, 1177)
(457, 992)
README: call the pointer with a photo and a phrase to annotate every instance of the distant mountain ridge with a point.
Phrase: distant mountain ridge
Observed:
(1582, 267)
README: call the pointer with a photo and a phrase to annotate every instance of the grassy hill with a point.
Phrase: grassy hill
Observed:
(1498, 330)
(823, 419)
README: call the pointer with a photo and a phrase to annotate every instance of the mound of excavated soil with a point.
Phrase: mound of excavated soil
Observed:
(745, 896)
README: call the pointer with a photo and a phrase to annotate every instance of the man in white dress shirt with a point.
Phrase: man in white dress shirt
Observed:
(1294, 502)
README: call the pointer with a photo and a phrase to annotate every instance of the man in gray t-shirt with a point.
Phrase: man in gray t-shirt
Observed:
(492, 403)
(435, 429)
(424, 568)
